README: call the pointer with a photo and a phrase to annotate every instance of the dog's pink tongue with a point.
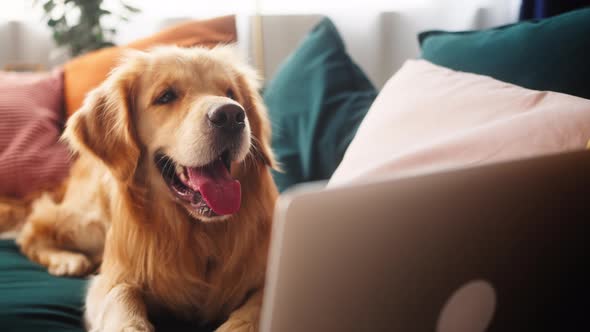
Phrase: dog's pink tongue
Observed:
(219, 190)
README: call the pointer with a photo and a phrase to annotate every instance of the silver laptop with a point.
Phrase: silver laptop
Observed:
(495, 248)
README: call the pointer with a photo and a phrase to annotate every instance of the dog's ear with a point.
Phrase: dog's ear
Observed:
(103, 126)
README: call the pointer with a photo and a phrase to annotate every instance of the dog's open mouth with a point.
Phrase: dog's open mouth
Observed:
(208, 190)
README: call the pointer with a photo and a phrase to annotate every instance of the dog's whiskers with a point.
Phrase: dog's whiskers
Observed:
(251, 158)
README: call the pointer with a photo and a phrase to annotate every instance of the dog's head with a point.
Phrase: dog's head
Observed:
(187, 122)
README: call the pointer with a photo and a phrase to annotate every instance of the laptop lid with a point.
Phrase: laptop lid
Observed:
(501, 247)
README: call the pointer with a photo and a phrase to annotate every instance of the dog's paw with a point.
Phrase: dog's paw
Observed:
(237, 325)
(131, 326)
(138, 327)
(69, 264)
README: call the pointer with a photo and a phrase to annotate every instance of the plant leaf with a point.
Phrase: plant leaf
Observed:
(131, 8)
(86, 33)
(106, 44)
(48, 6)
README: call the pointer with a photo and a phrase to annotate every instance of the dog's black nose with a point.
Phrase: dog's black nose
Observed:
(228, 117)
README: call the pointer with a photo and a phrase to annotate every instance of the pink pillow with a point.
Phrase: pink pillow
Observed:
(31, 114)
(429, 118)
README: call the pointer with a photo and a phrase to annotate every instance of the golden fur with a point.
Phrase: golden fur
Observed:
(157, 258)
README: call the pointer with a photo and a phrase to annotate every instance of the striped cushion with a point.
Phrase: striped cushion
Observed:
(31, 116)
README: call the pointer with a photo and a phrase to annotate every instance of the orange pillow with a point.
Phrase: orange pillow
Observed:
(86, 72)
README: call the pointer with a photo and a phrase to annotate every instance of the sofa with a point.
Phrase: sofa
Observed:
(473, 97)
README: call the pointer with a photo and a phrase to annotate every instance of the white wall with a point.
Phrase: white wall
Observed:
(379, 40)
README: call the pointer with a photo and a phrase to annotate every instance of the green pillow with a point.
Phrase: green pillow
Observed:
(551, 54)
(316, 102)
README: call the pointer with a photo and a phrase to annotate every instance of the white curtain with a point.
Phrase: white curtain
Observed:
(380, 34)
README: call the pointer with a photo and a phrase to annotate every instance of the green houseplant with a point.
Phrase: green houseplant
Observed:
(79, 25)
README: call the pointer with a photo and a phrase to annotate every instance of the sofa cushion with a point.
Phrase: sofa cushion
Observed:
(550, 54)
(33, 300)
(31, 117)
(316, 101)
(86, 72)
(429, 118)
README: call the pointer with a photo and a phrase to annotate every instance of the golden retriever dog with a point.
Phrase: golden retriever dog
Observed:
(171, 195)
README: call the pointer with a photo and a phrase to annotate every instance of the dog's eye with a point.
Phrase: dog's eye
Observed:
(230, 94)
(166, 97)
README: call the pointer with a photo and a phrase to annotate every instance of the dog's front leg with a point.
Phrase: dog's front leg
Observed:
(115, 309)
(246, 317)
